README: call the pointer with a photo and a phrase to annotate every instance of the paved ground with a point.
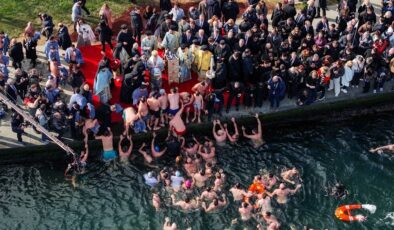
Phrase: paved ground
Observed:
(8, 138)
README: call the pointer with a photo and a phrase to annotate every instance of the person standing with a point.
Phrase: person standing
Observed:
(83, 6)
(73, 57)
(136, 24)
(156, 67)
(171, 40)
(125, 37)
(165, 5)
(76, 13)
(277, 89)
(30, 45)
(17, 126)
(105, 35)
(47, 25)
(16, 53)
(85, 33)
(106, 15)
(63, 36)
(236, 89)
(102, 85)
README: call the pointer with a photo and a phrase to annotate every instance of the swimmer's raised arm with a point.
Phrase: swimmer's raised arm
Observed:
(244, 133)
(259, 128)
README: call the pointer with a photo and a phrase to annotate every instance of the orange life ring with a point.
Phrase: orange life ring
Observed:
(255, 188)
(343, 212)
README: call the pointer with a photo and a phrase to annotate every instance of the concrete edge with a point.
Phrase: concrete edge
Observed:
(316, 113)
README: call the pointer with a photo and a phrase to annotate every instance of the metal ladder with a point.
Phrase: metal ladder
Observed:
(40, 128)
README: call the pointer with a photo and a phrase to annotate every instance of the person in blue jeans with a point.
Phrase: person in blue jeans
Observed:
(277, 89)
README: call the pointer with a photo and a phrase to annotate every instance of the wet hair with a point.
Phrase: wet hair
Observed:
(245, 205)
(268, 213)
(209, 164)
(187, 199)
(237, 185)
(270, 175)
(216, 202)
(209, 189)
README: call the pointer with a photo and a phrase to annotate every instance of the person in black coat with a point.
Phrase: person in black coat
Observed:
(236, 89)
(230, 10)
(105, 35)
(289, 11)
(30, 45)
(136, 24)
(187, 38)
(222, 52)
(17, 126)
(322, 6)
(10, 90)
(235, 67)
(125, 37)
(165, 5)
(247, 65)
(16, 53)
(220, 79)
(63, 36)
(213, 8)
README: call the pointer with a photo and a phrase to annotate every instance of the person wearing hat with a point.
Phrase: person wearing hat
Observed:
(204, 57)
(155, 66)
(125, 37)
(185, 61)
(177, 180)
(171, 40)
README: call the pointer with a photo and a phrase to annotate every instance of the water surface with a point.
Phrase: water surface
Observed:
(113, 196)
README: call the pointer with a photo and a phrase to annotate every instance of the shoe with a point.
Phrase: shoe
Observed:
(374, 91)
(21, 143)
(45, 142)
(344, 90)
(356, 86)
(321, 98)
(381, 90)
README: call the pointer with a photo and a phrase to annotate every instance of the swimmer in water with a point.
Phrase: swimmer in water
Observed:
(282, 193)
(220, 134)
(219, 180)
(215, 204)
(339, 191)
(207, 151)
(257, 134)
(238, 192)
(168, 225)
(245, 211)
(187, 204)
(108, 149)
(269, 181)
(290, 175)
(272, 222)
(124, 151)
(208, 194)
(264, 203)
(156, 153)
(232, 138)
(176, 181)
(147, 157)
(200, 178)
(379, 150)
(156, 201)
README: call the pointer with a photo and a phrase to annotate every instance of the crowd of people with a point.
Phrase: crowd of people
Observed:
(247, 61)
(257, 59)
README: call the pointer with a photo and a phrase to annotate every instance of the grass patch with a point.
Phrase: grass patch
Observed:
(14, 14)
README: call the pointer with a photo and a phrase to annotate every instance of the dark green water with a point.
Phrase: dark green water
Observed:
(114, 196)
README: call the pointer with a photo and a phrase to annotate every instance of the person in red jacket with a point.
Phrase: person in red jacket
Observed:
(380, 45)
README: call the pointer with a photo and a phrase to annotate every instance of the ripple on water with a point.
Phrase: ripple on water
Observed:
(113, 196)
